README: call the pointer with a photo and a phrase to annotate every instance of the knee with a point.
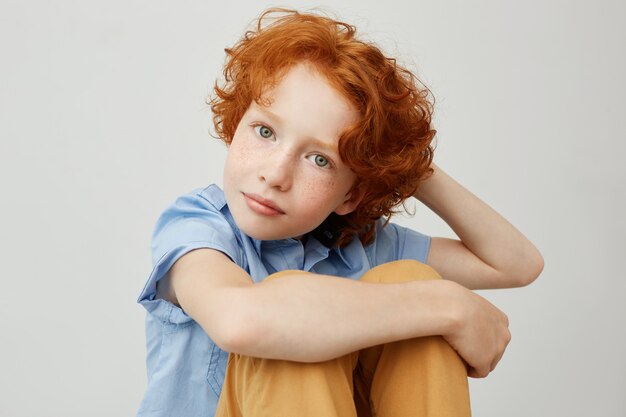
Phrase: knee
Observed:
(400, 271)
(431, 352)
(282, 370)
(286, 272)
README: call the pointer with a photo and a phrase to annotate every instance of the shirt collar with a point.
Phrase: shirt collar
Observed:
(314, 250)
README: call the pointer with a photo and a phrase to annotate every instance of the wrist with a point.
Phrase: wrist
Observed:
(440, 311)
(452, 308)
(427, 185)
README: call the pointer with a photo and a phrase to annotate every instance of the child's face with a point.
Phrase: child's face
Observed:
(283, 175)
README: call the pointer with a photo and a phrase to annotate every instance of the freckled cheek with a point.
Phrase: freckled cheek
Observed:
(241, 155)
(317, 190)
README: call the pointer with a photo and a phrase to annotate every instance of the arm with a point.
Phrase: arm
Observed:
(309, 319)
(491, 253)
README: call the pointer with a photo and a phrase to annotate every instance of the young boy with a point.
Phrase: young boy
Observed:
(325, 307)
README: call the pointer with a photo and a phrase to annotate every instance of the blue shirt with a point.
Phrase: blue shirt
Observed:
(185, 367)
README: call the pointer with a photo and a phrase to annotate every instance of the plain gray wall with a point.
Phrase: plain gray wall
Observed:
(103, 123)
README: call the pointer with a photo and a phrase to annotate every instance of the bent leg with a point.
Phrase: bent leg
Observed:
(414, 377)
(256, 387)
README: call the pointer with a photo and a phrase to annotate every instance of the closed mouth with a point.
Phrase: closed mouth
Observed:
(262, 205)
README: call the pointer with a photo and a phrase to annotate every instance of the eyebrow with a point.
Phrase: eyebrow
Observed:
(271, 115)
(277, 118)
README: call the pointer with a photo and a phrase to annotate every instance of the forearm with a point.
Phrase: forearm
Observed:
(482, 230)
(310, 319)
(304, 317)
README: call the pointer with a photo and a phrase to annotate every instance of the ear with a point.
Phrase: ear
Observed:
(352, 201)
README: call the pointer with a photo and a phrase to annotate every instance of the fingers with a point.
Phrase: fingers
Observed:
(482, 372)
(507, 340)
(472, 373)
(482, 335)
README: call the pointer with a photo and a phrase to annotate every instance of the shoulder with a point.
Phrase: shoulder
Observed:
(209, 199)
(200, 218)
(394, 242)
(203, 205)
(197, 219)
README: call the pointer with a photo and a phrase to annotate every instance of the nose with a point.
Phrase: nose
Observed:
(278, 170)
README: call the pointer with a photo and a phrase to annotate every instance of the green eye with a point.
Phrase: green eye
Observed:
(320, 161)
(265, 132)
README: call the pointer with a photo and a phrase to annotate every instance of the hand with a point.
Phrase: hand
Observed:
(481, 333)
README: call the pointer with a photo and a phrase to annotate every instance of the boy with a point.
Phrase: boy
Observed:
(326, 136)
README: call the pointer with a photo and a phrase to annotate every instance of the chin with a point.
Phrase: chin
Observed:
(268, 229)
(262, 233)
(269, 233)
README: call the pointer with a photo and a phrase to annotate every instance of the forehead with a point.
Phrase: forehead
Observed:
(304, 100)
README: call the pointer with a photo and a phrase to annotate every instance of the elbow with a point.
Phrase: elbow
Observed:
(531, 270)
(246, 334)
(237, 335)
(234, 332)
(230, 323)
(535, 267)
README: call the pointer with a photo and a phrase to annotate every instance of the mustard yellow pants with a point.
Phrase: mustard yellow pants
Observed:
(415, 377)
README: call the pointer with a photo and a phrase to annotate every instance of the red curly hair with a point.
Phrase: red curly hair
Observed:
(389, 148)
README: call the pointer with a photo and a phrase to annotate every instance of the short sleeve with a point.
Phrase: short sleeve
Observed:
(193, 221)
(394, 242)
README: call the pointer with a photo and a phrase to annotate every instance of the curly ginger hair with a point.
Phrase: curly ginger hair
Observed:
(389, 148)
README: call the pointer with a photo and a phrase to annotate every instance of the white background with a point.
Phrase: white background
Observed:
(103, 123)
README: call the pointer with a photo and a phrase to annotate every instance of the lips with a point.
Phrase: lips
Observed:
(262, 205)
